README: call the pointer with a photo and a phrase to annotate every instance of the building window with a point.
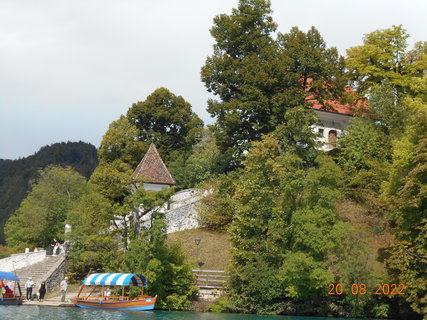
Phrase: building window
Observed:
(332, 139)
(320, 133)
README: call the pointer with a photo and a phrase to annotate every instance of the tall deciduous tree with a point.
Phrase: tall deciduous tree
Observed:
(204, 163)
(167, 120)
(120, 142)
(258, 79)
(384, 56)
(92, 242)
(168, 273)
(406, 193)
(284, 220)
(43, 213)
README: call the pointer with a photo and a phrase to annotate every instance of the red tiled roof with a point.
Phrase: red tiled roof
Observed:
(153, 169)
(336, 107)
(333, 106)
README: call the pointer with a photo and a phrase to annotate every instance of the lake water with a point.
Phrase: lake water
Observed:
(54, 313)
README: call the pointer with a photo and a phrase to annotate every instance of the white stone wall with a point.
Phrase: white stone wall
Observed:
(21, 260)
(181, 212)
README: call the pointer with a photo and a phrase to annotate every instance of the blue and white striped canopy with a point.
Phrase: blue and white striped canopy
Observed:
(115, 279)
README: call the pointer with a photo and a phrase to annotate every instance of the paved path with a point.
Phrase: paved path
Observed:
(54, 301)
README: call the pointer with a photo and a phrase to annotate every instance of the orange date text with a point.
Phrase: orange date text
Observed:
(362, 289)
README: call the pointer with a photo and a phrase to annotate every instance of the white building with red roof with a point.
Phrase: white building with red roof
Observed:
(333, 120)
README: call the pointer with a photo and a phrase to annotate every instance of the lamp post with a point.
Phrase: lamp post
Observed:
(197, 240)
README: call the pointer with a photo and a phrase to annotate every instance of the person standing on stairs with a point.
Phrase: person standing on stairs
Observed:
(56, 247)
(29, 286)
(42, 290)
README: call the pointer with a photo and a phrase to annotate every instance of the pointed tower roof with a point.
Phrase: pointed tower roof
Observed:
(153, 169)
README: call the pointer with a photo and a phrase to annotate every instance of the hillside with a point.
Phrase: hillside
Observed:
(214, 247)
(16, 175)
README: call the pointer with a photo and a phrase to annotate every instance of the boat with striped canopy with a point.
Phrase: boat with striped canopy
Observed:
(8, 295)
(100, 296)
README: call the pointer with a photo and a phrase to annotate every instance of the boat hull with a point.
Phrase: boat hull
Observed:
(135, 305)
(10, 301)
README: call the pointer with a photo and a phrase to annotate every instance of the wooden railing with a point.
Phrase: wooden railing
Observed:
(210, 279)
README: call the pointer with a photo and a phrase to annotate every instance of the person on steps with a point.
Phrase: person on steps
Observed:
(29, 286)
(42, 290)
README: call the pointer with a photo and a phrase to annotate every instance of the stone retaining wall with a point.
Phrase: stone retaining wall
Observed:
(181, 211)
(21, 260)
(56, 274)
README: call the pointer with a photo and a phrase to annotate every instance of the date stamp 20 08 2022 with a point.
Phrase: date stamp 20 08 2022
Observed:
(355, 288)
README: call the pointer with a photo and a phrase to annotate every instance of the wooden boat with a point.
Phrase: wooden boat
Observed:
(14, 298)
(102, 300)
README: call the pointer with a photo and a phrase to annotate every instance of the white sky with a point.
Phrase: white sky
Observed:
(68, 68)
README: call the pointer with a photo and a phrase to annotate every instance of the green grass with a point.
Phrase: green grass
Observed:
(214, 247)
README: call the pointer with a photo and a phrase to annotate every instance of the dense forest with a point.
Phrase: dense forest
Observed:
(16, 176)
(303, 223)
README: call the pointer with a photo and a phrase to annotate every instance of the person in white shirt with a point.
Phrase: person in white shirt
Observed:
(107, 293)
(64, 287)
(29, 286)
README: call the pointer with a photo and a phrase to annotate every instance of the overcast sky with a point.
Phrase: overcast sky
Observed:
(70, 68)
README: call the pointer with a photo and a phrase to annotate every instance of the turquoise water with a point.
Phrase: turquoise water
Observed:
(53, 313)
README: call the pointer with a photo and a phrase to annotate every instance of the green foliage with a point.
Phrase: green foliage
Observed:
(406, 194)
(221, 305)
(113, 180)
(386, 108)
(309, 64)
(217, 209)
(352, 268)
(15, 175)
(303, 277)
(6, 251)
(168, 274)
(260, 80)
(120, 142)
(92, 244)
(284, 220)
(204, 163)
(363, 143)
(43, 213)
(167, 120)
(383, 56)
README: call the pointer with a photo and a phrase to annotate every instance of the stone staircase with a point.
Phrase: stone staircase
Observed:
(40, 271)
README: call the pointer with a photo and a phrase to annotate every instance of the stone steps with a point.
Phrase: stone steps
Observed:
(38, 271)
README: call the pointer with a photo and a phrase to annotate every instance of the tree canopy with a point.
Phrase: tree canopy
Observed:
(262, 82)
(167, 120)
(384, 55)
(16, 175)
(43, 213)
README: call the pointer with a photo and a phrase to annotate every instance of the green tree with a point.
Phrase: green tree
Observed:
(406, 193)
(313, 70)
(204, 163)
(384, 56)
(386, 108)
(168, 274)
(121, 142)
(16, 175)
(216, 210)
(284, 220)
(168, 120)
(259, 80)
(363, 143)
(92, 243)
(43, 212)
